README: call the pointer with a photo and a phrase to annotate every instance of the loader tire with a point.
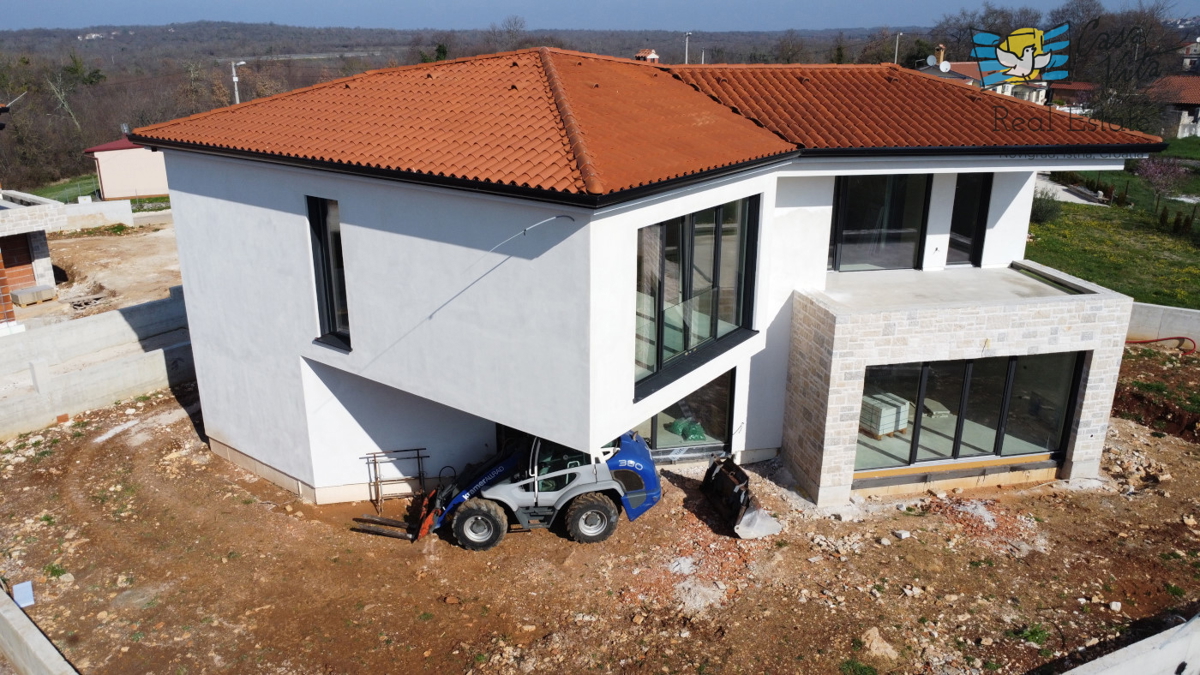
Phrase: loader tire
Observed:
(591, 518)
(479, 524)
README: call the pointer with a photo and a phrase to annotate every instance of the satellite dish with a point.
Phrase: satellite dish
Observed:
(944, 66)
(932, 60)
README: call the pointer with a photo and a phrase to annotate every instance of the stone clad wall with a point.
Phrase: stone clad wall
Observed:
(833, 345)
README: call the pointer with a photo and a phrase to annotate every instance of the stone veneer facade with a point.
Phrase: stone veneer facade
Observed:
(832, 345)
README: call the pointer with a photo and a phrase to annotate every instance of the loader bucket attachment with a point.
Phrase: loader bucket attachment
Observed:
(727, 486)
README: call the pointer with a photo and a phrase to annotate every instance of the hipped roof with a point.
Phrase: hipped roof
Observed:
(564, 124)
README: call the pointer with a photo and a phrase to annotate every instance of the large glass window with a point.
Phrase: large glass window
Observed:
(333, 310)
(968, 222)
(948, 410)
(879, 222)
(692, 274)
(696, 425)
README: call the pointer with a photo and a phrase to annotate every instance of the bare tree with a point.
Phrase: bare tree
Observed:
(790, 48)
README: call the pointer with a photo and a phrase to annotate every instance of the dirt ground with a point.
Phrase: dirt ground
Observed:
(151, 555)
(136, 266)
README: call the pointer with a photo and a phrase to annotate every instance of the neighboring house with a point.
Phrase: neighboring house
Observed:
(24, 251)
(822, 261)
(1190, 51)
(1072, 94)
(967, 72)
(128, 170)
(1180, 97)
(646, 55)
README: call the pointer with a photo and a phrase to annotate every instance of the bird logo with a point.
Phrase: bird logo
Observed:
(1026, 55)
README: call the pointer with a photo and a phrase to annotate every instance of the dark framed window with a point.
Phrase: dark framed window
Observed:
(329, 269)
(949, 410)
(698, 425)
(695, 279)
(879, 222)
(968, 222)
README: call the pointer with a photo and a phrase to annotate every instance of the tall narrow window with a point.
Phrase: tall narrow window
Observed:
(968, 224)
(879, 222)
(693, 278)
(330, 272)
(692, 274)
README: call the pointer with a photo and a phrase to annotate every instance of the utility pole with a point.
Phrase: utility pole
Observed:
(686, 37)
(233, 70)
(896, 56)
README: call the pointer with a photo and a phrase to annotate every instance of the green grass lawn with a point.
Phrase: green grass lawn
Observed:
(1119, 249)
(1187, 148)
(68, 190)
(1140, 193)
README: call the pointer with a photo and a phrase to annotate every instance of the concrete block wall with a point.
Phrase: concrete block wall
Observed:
(67, 340)
(833, 346)
(1150, 322)
(46, 218)
(43, 269)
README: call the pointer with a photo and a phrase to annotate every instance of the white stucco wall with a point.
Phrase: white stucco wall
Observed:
(350, 417)
(448, 300)
(131, 173)
(1008, 218)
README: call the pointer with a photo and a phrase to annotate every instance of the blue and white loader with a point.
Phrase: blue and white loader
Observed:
(533, 483)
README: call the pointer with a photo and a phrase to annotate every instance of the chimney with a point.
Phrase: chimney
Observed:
(940, 53)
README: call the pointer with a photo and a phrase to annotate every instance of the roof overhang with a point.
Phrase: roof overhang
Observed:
(482, 187)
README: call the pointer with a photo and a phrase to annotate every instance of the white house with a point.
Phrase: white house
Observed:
(823, 261)
(967, 72)
(128, 170)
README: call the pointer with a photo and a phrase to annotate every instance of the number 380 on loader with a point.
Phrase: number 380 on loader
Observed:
(530, 484)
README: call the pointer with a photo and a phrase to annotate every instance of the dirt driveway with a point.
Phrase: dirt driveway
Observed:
(136, 266)
(151, 555)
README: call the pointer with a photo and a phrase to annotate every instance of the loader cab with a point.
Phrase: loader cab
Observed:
(547, 468)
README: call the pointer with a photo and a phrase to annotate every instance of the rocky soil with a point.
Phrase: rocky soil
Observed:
(149, 554)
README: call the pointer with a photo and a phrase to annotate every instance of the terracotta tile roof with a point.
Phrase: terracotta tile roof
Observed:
(838, 107)
(546, 119)
(1072, 86)
(1179, 89)
(579, 124)
(968, 69)
(122, 143)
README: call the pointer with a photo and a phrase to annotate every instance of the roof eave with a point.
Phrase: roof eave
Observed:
(1132, 148)
(583, 200)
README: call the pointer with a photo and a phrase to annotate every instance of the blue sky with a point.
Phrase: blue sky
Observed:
(710, 15)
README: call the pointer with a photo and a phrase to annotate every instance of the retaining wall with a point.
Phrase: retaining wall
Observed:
(40, 213)
(162, 363)
(28, 650)
(1158, 321)
(66, 340)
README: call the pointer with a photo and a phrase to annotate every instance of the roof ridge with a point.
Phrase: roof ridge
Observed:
(583, 158)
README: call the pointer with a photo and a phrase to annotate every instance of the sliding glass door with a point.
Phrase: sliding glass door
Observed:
(968, 221)
(950, 410)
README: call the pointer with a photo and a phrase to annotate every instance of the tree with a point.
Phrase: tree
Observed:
(957, 31)
(1164, 174)
(790, 48)
(837, 54)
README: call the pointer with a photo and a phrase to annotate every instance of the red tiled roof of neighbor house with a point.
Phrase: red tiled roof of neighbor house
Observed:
(554, 122)
(1179, 89)
(122, 143)
(1072, 86)
(841, 107)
